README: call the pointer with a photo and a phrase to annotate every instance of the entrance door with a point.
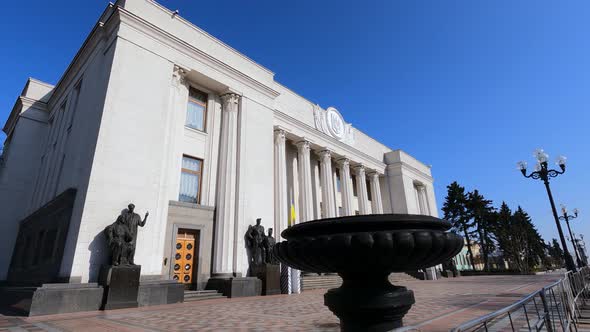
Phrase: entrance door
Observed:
(185, 257)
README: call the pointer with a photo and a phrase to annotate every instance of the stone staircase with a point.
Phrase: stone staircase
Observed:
(199, 295)
(315, 281)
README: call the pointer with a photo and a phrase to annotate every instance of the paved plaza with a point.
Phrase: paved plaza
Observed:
(440, 305)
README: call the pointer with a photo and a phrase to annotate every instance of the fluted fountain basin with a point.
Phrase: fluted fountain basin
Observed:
(364, 250)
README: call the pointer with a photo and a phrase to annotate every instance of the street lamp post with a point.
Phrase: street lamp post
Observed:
(567, 218)
(542, 172)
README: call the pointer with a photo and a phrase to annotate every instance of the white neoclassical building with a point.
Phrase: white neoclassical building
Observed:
(155, 111)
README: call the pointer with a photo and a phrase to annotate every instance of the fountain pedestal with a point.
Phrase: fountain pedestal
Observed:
(364, 250)
(369, 303)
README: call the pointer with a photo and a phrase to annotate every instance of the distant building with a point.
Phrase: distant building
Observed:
(155, 111)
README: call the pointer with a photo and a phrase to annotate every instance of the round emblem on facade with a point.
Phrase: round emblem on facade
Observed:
(175, 277)
(187, 267)
(335, 123)
(189, 246)
(177, 256)
(187, 278)
(178, 246)
(176, 267)
(189, 256)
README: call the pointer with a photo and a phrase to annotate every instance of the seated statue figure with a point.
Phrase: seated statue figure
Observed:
(120, 243)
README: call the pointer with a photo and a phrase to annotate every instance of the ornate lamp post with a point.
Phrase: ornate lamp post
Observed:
(542, 172)
(567, 218)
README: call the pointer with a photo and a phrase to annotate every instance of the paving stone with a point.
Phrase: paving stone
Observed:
(440, 305)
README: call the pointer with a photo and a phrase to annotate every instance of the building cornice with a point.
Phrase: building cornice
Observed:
(207, 35)
(166, 38)
(322, 140)
(21, 103)
(405, 166)
(99, 32)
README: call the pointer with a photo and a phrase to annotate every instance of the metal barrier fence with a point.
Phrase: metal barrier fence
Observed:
(554, 308)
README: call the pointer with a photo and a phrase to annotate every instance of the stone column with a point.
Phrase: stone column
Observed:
(377, 202)
(280, 183)
(346, 186)
(423, 200)
(328, 203)
(226, 187)
(361, 189)
(305, 184)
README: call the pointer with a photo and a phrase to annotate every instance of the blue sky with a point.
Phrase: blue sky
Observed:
(469, 87)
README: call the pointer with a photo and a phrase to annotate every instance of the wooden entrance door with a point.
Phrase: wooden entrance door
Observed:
(185, 256)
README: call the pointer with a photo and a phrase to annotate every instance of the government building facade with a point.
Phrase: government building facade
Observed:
(155, 111)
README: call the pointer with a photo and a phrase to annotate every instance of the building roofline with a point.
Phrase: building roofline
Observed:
(195, 27)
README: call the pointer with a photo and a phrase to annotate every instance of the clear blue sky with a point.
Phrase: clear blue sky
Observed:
(469, 87)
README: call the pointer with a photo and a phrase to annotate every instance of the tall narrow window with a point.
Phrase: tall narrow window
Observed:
(354, 189)
(74, 105)
(190, 180)
(196, 109)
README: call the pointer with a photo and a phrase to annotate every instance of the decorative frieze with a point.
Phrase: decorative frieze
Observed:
(331, 123)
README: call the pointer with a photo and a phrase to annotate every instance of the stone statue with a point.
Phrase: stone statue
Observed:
(119, 242)
(268, 243)
(254, 238)
(122, 236)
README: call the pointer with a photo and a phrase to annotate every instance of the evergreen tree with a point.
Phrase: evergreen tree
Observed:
(480, 211)
(556, 254)
(454, 210)
(519, 240)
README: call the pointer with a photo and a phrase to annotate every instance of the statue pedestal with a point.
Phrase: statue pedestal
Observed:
(448, 274)
(121, 286)
(270, 274)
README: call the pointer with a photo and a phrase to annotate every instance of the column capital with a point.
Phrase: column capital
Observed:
(359, 169)
(230, 101)
(325, 153)
(178, 76)
(345, 162)
(280, 136)
(303, 144)
(373, 174)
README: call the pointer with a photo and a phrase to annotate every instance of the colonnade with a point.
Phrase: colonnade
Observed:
(327, 159)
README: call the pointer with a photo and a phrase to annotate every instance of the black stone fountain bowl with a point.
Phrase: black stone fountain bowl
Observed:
(374, 244)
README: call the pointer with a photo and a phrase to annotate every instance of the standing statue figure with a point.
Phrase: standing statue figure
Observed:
(133, 220)
(254, 237)
(268, 243)
(122, 236)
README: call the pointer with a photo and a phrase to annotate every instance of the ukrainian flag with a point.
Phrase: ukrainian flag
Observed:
(293, 215)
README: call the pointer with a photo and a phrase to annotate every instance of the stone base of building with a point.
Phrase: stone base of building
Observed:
(51, 299)
(121, 286)
(160, 292)
(236, 286)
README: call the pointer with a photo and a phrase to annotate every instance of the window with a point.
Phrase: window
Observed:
(354, 189)
(196, 109)
(190, 180)
(369, 194)
(74, 106)
(338, 188)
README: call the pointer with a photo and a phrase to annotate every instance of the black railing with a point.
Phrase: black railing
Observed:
(553, 308)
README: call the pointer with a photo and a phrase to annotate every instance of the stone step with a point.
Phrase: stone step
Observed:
(199, 295)
(204, 297)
